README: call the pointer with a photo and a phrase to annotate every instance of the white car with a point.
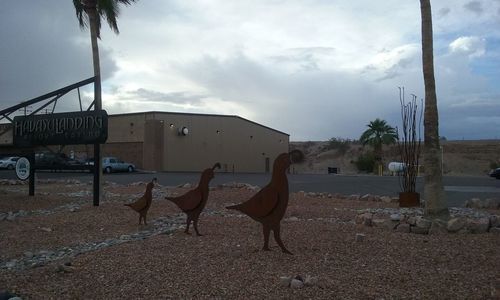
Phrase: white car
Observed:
(9, 162)
(113, 164)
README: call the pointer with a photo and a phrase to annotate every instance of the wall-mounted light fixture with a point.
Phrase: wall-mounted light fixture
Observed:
(183, 131)
(218, 131)
(171, 125)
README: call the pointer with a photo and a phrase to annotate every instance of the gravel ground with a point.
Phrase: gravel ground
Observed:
(227, 261)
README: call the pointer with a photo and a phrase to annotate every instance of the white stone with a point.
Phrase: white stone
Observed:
(423, 223)
(480, 225)
(395, 217)
(310, 281)
(293, 219)
(285, 281)
(296, 284)
(386, 199)
(455, 224)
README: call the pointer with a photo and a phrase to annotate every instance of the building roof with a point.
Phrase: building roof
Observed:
(196, 114)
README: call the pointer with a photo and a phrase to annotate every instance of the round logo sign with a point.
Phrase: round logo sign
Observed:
(23, 168)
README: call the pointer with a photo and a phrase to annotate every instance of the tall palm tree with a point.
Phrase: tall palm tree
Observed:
(89, 13)
(378, 133)
(435, 204)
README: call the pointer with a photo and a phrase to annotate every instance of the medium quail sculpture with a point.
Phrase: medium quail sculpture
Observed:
(143, 204)
(268, 206)
(193, 202)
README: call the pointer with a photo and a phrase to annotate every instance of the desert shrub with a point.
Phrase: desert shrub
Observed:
(339, 144)
(365, 162)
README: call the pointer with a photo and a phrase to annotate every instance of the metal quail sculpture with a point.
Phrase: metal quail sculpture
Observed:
(268, 206)
(193, 202)
(143, 204)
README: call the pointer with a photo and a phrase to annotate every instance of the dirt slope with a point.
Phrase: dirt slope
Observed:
(460, 158)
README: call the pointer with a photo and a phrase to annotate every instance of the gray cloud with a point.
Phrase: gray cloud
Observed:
(159, 97)
(474, 6)
(44, 54)
(444, 11)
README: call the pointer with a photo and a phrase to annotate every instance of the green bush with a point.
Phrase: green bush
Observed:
(494, 164)
(339, 144)
(365, 162)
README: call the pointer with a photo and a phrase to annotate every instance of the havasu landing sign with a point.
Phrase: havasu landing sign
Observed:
(73, 128)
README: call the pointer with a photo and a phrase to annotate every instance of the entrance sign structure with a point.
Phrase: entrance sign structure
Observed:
(71, 128)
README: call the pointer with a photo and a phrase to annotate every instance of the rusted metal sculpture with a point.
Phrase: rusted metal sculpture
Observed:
(268, 206)
(193, 202)
(144, 203)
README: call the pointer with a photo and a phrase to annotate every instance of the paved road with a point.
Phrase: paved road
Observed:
(458, 189)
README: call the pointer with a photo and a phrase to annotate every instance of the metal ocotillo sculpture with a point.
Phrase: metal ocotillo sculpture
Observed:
(268, 206)
(142, 205)
(193, 202)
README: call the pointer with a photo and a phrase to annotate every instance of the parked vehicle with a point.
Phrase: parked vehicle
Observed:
(9, 162)
(113, 164)
(55, 161)
(495, 173)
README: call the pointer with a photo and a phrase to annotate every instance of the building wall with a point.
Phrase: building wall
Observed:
(238, 144)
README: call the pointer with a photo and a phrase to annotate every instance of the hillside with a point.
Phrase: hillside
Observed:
(460, 158)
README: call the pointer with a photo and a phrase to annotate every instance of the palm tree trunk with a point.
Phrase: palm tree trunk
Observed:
(435, 202)
(91, 10)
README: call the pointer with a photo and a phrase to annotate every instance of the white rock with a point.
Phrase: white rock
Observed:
(395, 217)
(46, 229)
(455, 224)
(421, 222)
(480, 225)
(296, 284)
(386, 199)
(285, 281)
(310, 281)
(293, 219)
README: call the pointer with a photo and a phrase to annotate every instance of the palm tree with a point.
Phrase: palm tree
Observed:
(435, 204)
(89, 13)
(378, 133)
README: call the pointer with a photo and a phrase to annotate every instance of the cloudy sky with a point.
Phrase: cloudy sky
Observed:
(315, 69)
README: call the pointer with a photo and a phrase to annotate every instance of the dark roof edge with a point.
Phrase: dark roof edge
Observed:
(197, 114)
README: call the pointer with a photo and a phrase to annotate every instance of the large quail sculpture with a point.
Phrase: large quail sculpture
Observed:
(269, 205)
(193, 202)
(143, 204)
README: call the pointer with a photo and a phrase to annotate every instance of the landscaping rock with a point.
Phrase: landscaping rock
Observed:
(438, 227)
(366, 197)
(383, 223)
(479, 225)
(365, 219)
(395, 217)
(494, 221)
(386, 199)
(296, 284)
(285, 281)
(423, 223)
(403, 227)
(455, 224)
(310, 281)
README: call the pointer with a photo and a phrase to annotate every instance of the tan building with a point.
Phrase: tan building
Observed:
(165, 141)
(181, 142)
